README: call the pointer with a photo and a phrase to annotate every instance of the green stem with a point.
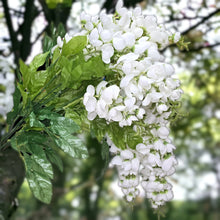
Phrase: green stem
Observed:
(47, 98)
(74, 102)
(54, 77)
(11, 133)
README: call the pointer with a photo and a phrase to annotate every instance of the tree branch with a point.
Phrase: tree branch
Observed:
(12, 33)
(201, 22)
(204, 47)
(26, 29)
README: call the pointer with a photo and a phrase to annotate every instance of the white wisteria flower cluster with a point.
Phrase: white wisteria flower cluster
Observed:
(142, 96)
(7, 87)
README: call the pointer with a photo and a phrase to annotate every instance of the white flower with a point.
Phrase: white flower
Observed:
(154, 159)
(117, 160)
(59, 42)
(159, 36)
(142, 46)
(176, 37)
(163, 132)
(169, 163)
(94, 38)
(154, 54)
(135, 163)
(106, 35)
(118, 42)
(114, 114)
(128, 57)
(67, 37)
(127, 154)
(152, 97)
(175, 95)
(107, 52)
(99, 87)
(110, 93)
(140, 113)
(143, 149)
(144, 82)
(162, 108)
(106, 20)
(129, 39)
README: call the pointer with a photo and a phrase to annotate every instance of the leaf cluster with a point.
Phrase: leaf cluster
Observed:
(48, 112)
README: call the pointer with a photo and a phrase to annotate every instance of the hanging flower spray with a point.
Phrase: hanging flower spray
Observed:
(141, 97)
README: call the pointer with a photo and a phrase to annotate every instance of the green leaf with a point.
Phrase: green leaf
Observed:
(46, 113)
(54, 157)
(132, 138)
(62, 131)
(40, 185)
(121, 136)
(24, 69)
(99, 128)
(47, 43)
(23, 93)
(56, 54)
(69, 75)
(94, 67)
(117, 135)
(74, 46)
(38, 169)
(34, 122)
(33, 80)
(38, 61)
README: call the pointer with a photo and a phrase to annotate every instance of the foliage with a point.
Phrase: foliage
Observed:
(38, 126)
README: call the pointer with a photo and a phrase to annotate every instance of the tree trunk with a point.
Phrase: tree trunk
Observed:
(12, 174)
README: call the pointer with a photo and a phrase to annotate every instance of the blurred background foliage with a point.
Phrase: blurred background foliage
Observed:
(85, 190)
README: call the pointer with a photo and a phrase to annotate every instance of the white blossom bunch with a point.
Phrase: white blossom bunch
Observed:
(129, 42)
(142, 96)
(7, 87)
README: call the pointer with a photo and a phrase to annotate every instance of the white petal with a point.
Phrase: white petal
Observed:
(128, 57)
(135, 164)
(91, 104)
(127, 67)
(146, 100)
(59, 41)
(127, 154)
(90, 90)
(126, 80)
(129, 102)
(91, 115)
(119, 5)
(118, 43)
(144, 82)
(106, 35)
(163, 132)
(101, 85)
(117, 160)
(129, 39)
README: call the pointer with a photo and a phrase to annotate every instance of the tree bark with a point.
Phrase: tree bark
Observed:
(12, 174)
